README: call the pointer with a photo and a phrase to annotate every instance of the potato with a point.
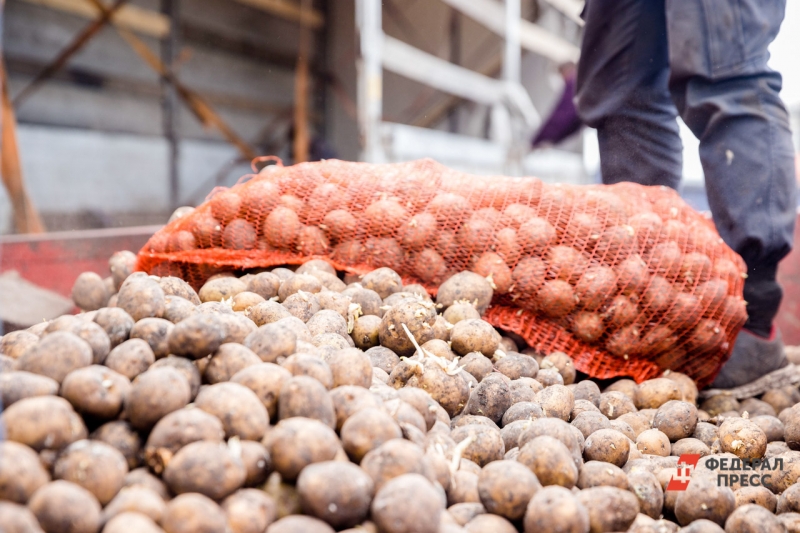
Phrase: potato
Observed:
(702, 526)
(173, 286)
(555, 508)
(676, 419)
(753, 517)
(215, 290)
(389, 509)
(608, 445)
(129, 359)
(595, 287)
(187, 368)
(366, 430)
(155, 394)
(485, 443)
(719, 404)
(512, 431)
(476, 364)
(121, 264)
(689, 446)
(56, 355)
(210, 468)
(494, 268)
(743, 438)
(614, 404)
(609, 508)
(15, 343)
(556, 299)
(653, 393)
(89, 292)
(128, 521)
(755, 407)
(141, 477)
(393, 458)
(491, 398)
(302, 305)
(345, 506)
(418, 317)
(368, 299)
(583, 406)
(197, 336)
(462, 513)
(589, 422)
(771, 426)
(178, 429)
(141, 297)
(242, 413)
(306, 397)
(588, 326)
(474, 335)
(266, 381)
(585, 390)
(465, 286)
(229, 359)
(488, 523)
(245, 300)
(249, 511)
(506, 487)
(556, 401)
(350, 367)
(267, 313)
(138, 499)
(155, 331)
(463, 488)
(561, 362)
(95, 466)
(550, 460)
(299, 524)
(298, 442)
(21, 472)
(96, 391)
(653, 442)
(43, 422)
(193, 513)
(273, 341)
(523, 390)
(308, 365)
(177, 309)
(757, 495)
(120, 435)
(647, 489)
(65, 506)
(515, 366)
(18, 385)
(704, 499)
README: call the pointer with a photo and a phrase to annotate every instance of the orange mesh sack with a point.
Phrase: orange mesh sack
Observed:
(626, 279)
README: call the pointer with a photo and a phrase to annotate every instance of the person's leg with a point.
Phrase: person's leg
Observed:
(622, 91)
(729, 98)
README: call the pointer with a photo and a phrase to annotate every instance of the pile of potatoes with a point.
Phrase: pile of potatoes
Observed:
(634, 273)
(299, 400)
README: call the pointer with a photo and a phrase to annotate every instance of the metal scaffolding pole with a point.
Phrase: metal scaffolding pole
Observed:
(370, 78)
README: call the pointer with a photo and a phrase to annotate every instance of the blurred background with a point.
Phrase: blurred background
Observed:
(119, 111)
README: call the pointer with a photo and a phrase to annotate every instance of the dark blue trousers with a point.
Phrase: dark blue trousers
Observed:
(643, 63)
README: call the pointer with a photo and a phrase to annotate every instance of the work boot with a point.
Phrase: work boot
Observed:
(756, 365)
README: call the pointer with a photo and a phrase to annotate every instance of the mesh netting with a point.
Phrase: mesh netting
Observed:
(626, 279)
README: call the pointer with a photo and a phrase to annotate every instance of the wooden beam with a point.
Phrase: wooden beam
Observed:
(140, 20)
(77, 43)
(26, 218)
(301, 138)
(289, 11)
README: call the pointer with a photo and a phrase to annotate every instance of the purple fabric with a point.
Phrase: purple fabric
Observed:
(563, 121)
